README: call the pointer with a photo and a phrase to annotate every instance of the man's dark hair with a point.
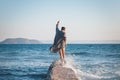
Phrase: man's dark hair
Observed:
(63, 28)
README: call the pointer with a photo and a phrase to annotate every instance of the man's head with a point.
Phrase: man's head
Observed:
(62, 28)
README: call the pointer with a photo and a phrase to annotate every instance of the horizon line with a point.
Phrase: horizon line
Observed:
(76, 41)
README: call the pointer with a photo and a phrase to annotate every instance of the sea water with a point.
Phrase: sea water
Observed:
(31, 61)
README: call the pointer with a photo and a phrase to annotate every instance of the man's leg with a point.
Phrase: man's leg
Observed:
(61, 55)
(63, 52)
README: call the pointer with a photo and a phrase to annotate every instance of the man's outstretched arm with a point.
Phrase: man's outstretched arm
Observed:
(57, 29)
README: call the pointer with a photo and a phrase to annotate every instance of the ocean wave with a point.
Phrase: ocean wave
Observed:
(14, 65)
(79, 53)
(91, 71)
(114, 55)
(22, 73)
(5, 74)
(81, 75)
(34, 76)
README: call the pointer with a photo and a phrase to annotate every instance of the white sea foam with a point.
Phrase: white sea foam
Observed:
(87, 76)
(70, 64)
(23, 64)
(81, 74)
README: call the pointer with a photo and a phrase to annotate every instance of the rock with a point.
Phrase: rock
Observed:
(57, 71)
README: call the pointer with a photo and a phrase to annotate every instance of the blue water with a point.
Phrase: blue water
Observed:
(31, 62)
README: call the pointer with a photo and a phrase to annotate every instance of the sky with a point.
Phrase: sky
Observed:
(83, 19)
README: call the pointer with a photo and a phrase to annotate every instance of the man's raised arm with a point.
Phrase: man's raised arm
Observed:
(57, 29)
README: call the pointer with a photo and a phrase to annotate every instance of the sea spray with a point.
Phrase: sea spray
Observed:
(70, 62)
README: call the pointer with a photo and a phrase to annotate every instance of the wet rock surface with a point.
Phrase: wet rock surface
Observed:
(57, 71)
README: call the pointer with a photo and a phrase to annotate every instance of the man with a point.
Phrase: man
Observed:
(60, 41)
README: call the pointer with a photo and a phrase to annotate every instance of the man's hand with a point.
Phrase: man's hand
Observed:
(58, 22)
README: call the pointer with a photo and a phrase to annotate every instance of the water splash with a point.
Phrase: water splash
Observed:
(70, 62)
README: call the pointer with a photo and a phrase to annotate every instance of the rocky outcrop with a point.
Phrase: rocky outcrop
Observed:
(57, 71)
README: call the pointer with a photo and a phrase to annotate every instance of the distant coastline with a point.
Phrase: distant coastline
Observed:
(34, 41)
(20, 41)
